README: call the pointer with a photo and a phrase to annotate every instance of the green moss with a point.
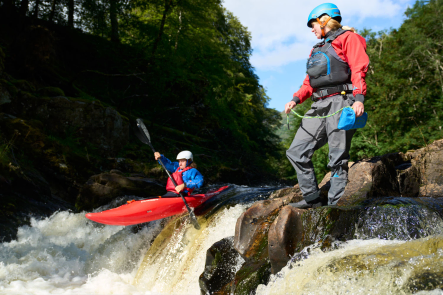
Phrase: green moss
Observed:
(9, 87)
(217, 259)
(262, 249)
(24, 85)
(51, 91)
(252, 276)
(83, 95)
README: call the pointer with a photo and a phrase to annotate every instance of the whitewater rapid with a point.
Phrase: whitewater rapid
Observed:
(68, 254)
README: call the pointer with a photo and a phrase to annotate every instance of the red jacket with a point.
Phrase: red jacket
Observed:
(350, 47)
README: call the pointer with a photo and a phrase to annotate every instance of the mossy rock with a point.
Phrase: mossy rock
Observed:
(8, 86)
(24, 85)
(51, 91)
(250, 276)
(219, 273)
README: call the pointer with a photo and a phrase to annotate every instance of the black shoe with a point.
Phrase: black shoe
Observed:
(305, 205)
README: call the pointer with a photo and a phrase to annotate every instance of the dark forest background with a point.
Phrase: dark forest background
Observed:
(183, 66)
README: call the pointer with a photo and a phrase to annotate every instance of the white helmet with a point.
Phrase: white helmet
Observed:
(185, 155)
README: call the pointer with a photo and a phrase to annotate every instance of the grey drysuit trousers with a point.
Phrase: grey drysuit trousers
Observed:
(312, 135)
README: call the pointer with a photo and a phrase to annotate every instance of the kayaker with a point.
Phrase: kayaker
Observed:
(185, 173)
(336, 71)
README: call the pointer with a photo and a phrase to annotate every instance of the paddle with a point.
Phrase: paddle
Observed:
(143, 134)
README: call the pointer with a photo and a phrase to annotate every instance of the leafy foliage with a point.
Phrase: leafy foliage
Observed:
(183, 65)
(405, 85)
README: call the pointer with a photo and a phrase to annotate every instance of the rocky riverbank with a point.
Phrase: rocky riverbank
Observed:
(394, 196)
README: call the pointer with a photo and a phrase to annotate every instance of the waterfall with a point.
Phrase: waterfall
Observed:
(68, 254)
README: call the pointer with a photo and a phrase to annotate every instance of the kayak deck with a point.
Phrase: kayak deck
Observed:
(150, 209)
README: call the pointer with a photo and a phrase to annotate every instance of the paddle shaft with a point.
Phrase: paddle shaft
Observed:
(191, 213)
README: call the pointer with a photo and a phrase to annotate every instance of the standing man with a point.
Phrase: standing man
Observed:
(336, 71)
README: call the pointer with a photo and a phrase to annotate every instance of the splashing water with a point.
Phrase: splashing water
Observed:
(365, 267)
(68, 254)
(173, 264)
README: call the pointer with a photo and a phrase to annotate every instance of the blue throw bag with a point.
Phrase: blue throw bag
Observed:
(348, 120)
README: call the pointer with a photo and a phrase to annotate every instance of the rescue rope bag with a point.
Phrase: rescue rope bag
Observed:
(178, 178)
(347, 120)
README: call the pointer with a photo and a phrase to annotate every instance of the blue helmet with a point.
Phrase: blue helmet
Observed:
(325, 8)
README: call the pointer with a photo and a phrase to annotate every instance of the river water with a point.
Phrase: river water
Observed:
(68, 254)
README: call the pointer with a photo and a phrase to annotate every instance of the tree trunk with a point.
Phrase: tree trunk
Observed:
(114, 21)
(23, 8)
(51, 15)
(168, 5)
(36, 9)
(8, 7)
(179, 28)
(71, 13)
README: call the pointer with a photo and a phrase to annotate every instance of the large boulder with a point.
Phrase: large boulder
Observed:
(251, 242)
(103, 188)
(284, 234)
(372, 178)
(252, 228)
(398, 218)
(427, 170)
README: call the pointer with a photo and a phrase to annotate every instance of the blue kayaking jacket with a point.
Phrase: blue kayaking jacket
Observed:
(192, 178)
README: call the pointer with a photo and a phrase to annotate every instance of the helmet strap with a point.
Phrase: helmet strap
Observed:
(323, 25)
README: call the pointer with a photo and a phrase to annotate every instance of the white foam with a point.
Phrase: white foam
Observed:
(358, 267)
(176, 267)
(68, 254)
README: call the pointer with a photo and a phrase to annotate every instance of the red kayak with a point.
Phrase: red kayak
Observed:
(150, 209)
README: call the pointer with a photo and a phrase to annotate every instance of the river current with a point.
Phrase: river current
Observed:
(68, 254)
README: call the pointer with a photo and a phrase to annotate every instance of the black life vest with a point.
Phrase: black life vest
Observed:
(325, 68)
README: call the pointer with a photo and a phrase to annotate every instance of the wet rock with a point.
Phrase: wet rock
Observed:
(102, 188)
(252, 228)
(284, 234)
(250, 275)
(390, 218)
(220, 268)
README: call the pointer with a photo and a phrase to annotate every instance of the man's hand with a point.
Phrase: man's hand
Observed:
(289, 106)
(157, 156)
(358, 108)
(180, 187)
